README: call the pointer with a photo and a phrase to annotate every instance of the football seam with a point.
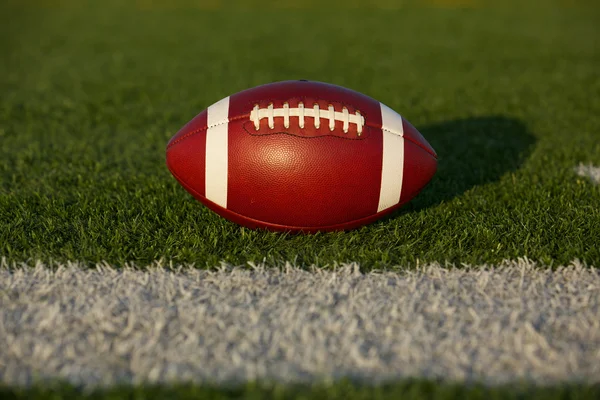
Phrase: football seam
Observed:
(364, 113)
(192, 133)
(362, 137)
(187, 135)
(281, 226)
(410, 140)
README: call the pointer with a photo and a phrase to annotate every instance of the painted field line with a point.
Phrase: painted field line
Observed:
(589, 171)
(489, 323)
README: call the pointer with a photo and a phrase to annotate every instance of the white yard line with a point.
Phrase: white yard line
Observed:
(589, 171)
(490, 323)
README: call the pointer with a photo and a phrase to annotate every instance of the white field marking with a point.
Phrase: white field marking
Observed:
(216, 152)
(270, 113)
(589, 171)
(393, 158)
(490, 323)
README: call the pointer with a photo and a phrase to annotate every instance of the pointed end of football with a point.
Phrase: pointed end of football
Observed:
(412, 134)
(420, 166)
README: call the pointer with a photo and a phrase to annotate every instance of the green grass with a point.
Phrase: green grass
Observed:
(345, 390)
(90, 95)
(509, 98)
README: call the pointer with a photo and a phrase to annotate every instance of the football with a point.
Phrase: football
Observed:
(301, 156)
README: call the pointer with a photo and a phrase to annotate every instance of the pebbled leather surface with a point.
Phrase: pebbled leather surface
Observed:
(412, 134)
(257, 224)
(419, 168)
(300, 179)
(197, 124)
(186, 153)
(290, 180)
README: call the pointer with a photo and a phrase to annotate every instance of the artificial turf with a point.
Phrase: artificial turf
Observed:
(342, 390)
(90, 94)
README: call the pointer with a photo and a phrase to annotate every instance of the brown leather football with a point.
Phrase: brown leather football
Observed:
(301, 156)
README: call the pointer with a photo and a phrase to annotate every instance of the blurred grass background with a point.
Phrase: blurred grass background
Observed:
(507, 93)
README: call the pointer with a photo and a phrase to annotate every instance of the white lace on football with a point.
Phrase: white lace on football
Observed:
(315, 113)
